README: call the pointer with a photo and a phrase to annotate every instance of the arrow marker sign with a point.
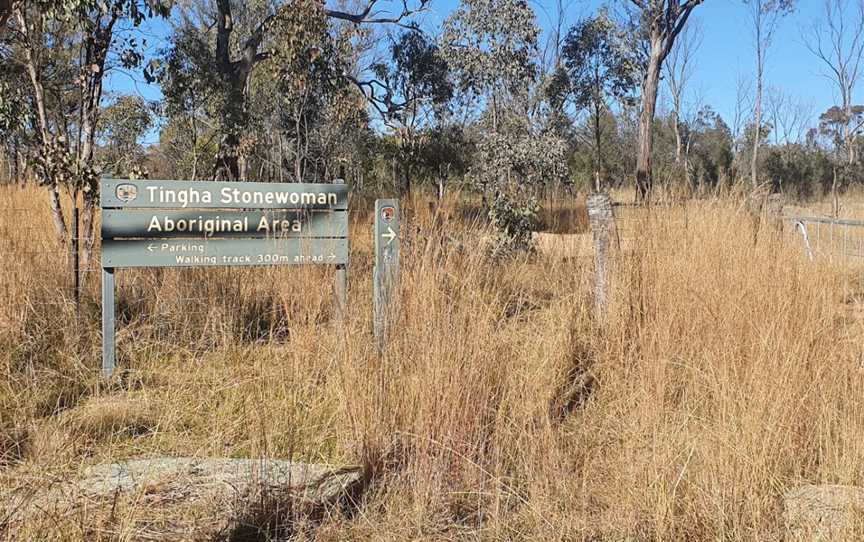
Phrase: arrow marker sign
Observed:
(386, 278)
(389, 235)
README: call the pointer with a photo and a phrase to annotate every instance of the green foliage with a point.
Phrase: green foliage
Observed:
(836, 120)
(612, 153)
(187, 73)
(800, 170)
(491, 44)
(83, 10)
(122, 125)
(503, 160)
(15, 111)
(711, 148)
(515, 216)
(598, 64)
(419, 75)
(598, 67)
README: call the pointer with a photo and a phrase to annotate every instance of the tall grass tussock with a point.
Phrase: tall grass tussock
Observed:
(727, 372)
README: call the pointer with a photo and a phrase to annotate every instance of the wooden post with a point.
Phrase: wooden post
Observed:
(775, 211)
(386, 272)
(602, 222)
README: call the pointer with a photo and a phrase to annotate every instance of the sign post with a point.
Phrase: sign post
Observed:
(386, 273)
(108, 345)
(341, 287)
(194, 224)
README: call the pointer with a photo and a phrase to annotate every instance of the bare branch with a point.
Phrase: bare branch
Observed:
(366, 16)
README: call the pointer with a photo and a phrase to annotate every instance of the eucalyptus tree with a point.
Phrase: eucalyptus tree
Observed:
(598, 67)
(837, 41)
(415, 91)
(491, 46)
(122, 125)
(250, 35)
(764, 17)
(74, 43)
(15, 115)
(658, 24)
(679, 71)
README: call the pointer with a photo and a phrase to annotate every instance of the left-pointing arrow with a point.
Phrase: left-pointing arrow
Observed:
(150, 248)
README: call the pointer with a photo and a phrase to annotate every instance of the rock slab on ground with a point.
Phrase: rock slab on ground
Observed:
(191, 498)
(823, 513)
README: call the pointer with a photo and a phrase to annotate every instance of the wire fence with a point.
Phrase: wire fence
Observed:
(839, 240)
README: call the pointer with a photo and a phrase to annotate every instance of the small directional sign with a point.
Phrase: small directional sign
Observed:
(386, 274)
(389, 235)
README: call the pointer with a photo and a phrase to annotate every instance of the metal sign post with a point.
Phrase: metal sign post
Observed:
(341, 286)
(192, 224)
(386, 273)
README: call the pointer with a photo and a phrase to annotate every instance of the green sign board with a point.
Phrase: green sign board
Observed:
(201, 223)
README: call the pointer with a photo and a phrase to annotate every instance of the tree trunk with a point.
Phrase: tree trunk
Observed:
(97, 51)
(848, 135)
(235, 77)
(757, 136)
(679, 145)
(644, 179)
(16, 164)
(44, 133)
(227, 166)
(598, 167)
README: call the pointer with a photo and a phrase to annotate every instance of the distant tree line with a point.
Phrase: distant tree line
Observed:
(298, 91)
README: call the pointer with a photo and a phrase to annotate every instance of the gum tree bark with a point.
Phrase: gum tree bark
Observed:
(662, 21)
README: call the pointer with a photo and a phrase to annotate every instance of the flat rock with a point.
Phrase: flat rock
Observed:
(189, 498)
(822, 513)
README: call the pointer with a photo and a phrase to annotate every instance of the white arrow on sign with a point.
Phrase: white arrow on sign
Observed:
(390, 235)
(332, 256)
(150, 248)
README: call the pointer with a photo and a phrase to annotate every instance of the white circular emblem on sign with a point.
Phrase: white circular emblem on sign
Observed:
(126, 192)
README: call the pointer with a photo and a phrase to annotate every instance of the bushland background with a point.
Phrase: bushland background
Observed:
(728, 369)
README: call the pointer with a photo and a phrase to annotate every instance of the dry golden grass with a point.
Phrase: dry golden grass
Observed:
(726, 373)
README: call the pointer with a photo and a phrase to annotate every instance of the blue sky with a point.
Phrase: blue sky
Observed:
(726, 54)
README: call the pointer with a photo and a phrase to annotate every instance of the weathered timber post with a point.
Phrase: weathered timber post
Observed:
(602, 223)
(756, 204)
(386, 272)
(774, 209)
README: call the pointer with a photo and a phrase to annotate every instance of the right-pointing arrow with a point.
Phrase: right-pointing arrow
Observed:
(390, 235)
